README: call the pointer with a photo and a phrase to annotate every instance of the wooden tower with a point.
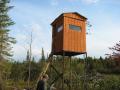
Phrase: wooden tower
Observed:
(69, 34)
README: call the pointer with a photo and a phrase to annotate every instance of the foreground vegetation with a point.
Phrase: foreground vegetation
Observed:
(103, 74)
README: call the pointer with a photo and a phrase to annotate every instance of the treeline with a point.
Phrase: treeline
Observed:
(14, 74)
(106, 66)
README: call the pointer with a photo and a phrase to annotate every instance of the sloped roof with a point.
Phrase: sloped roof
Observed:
(76, 13)
(69, 13)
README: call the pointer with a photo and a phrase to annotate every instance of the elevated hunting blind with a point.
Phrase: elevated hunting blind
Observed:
(69, 34)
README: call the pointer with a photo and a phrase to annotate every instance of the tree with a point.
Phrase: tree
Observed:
(5, 22)
(5, 40)
(28, 56)
(33, 59)
(42, 55)
(16, 71)
(115, 51)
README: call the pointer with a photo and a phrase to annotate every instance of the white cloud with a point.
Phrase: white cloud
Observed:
(73, 0)
(40, 40)
(105, 35)
(90, 1)
(19, 52)
(85, 1)
(54, 2)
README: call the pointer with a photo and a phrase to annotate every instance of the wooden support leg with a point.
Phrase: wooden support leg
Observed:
(70, 78)
(63, 68)
(85, 72)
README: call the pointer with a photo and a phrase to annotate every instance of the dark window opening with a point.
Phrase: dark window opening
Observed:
(60, 28)
(74, 27)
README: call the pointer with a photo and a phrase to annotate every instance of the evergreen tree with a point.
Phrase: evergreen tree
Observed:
(100, 58)
(115, 51)
(42, 55)
(28, 56)
(33, 59)
(5, 22)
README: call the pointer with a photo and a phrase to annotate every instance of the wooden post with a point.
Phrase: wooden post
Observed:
(70, 79)
(63, 67)
(85, 72)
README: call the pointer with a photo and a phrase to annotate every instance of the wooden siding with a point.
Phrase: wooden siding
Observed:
(57, 37)
(70, 41)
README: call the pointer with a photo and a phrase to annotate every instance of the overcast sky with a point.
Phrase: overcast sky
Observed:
(37, 15)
